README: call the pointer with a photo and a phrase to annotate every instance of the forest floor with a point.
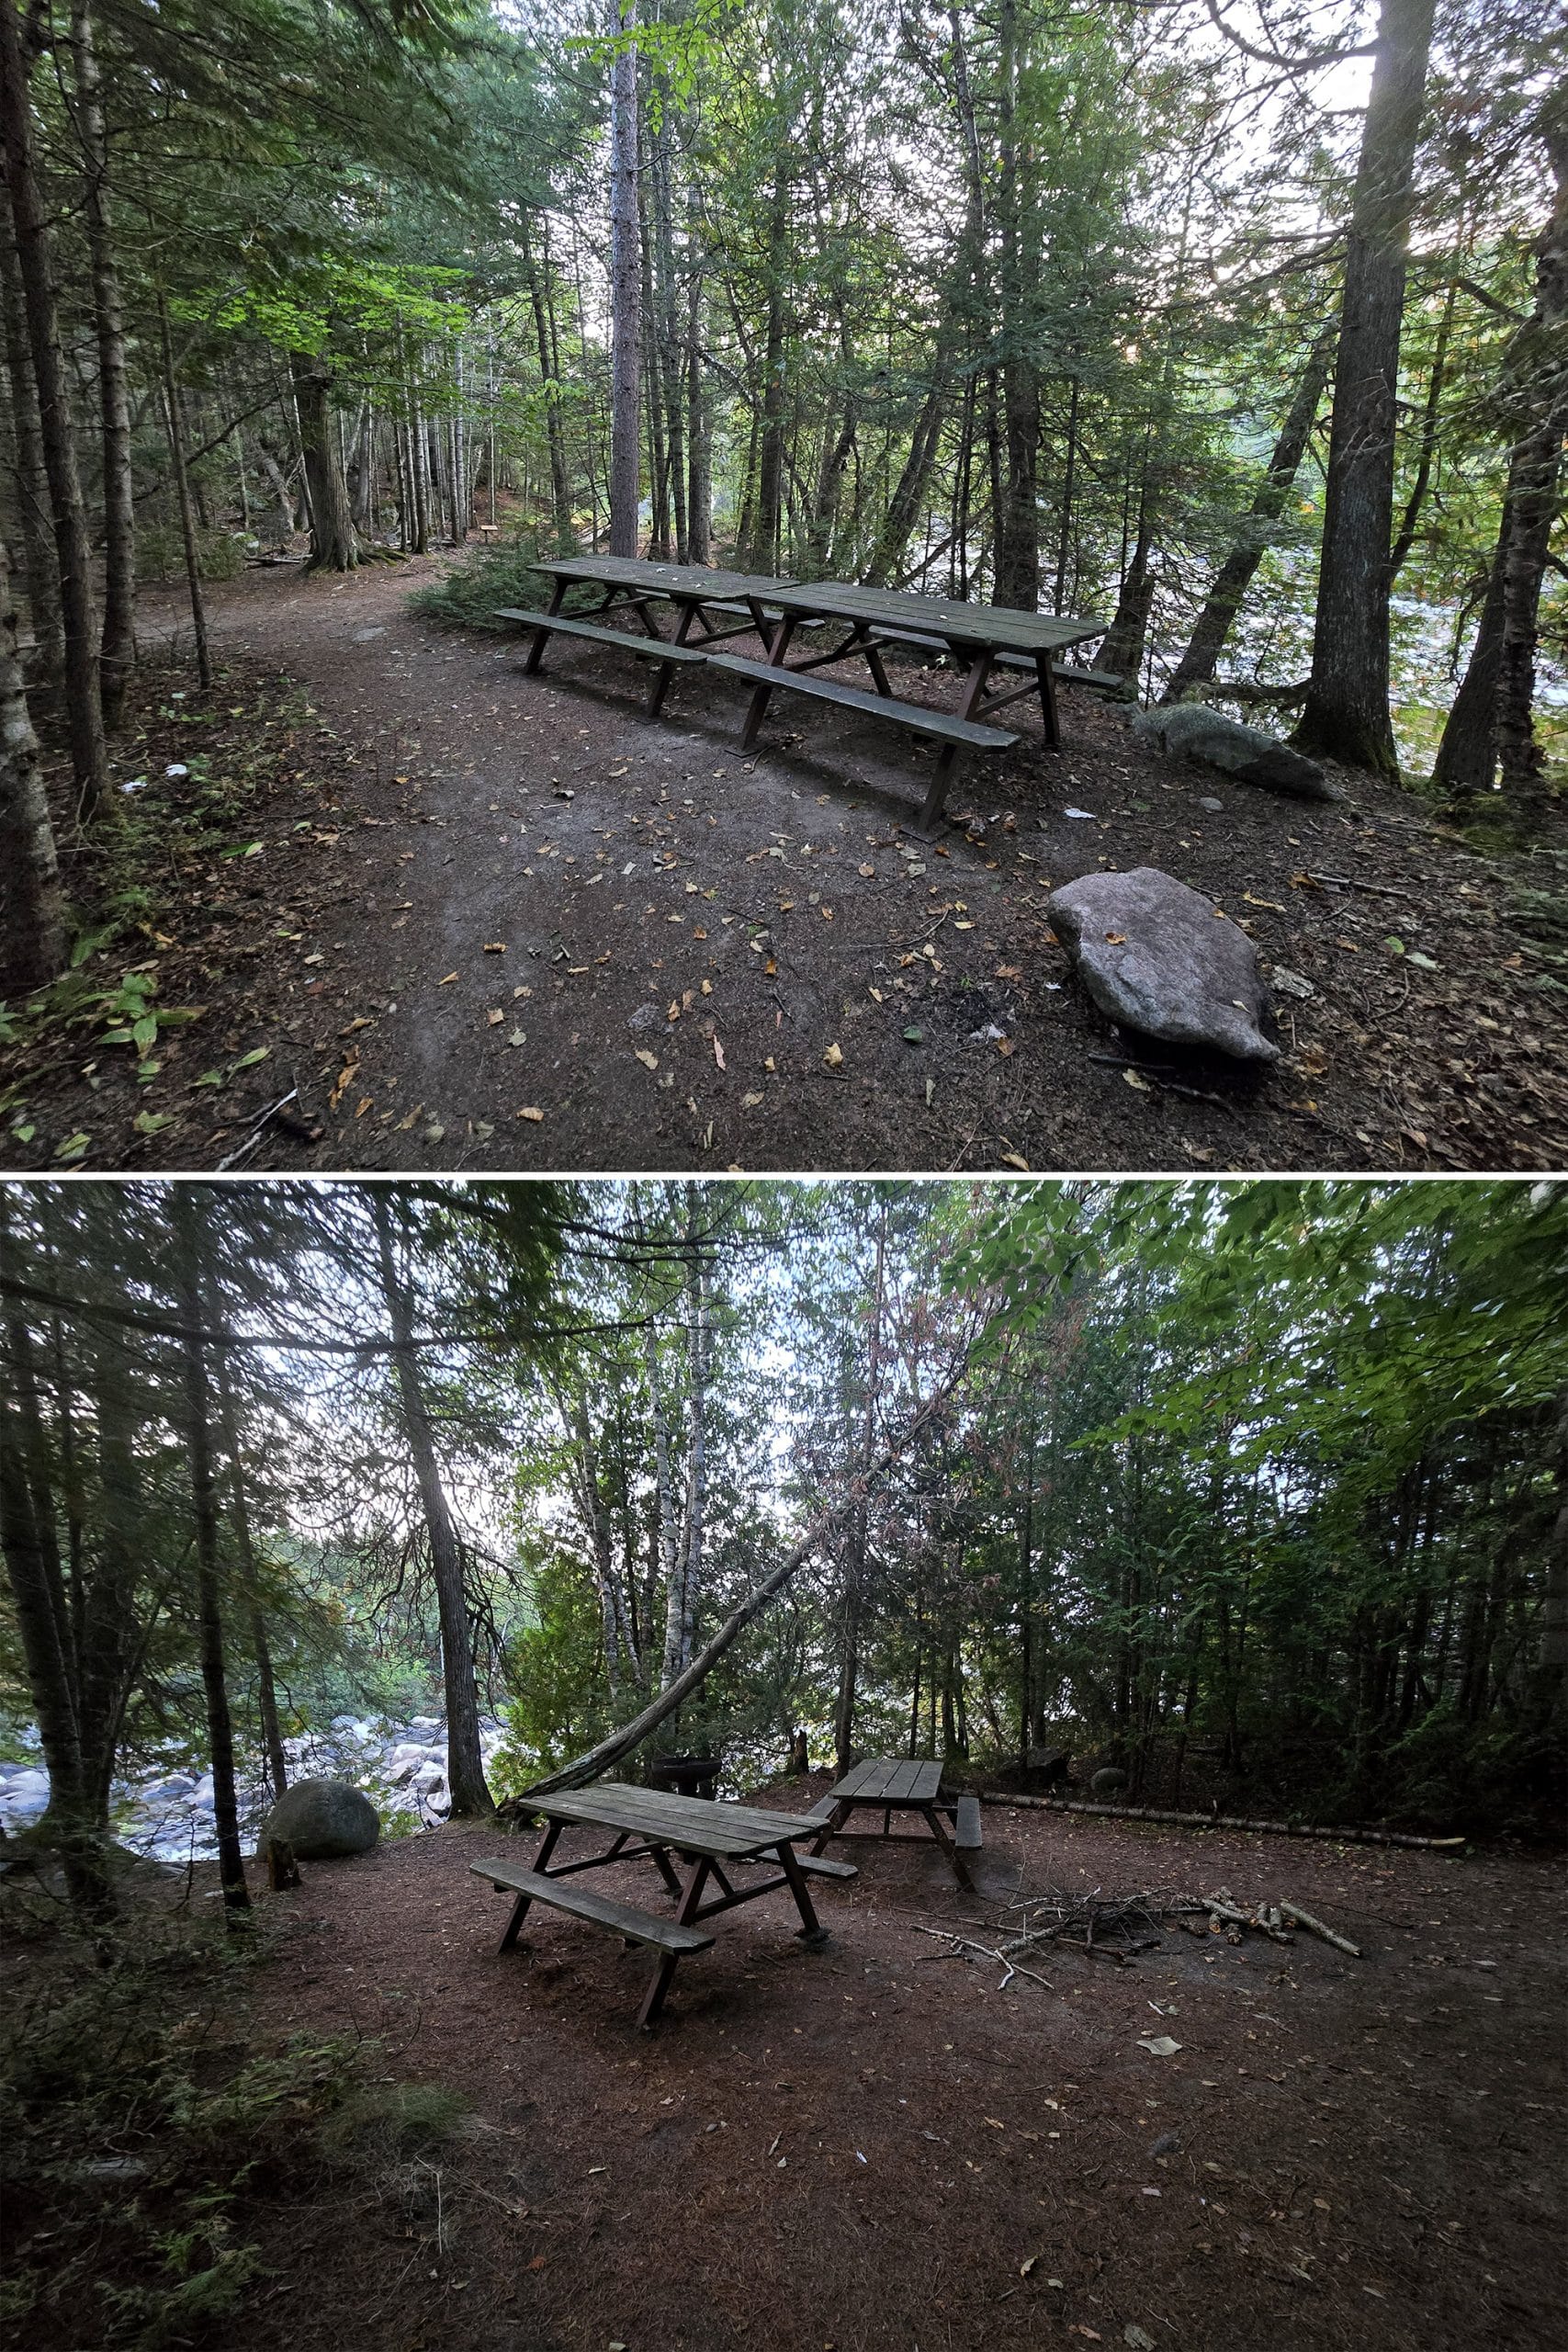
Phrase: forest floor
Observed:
(874, 2146)
(374, 886)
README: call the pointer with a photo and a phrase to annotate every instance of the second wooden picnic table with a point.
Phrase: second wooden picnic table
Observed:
(890, 1784)
(714, 606)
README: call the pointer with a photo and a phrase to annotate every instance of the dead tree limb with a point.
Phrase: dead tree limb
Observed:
(1223, 1821)
(1293, 1912)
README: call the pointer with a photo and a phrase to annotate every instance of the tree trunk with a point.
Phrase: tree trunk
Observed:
(182, 496)
(1539, 362)
(31, 477)
(189, 1242)
(699, 455)
(32, 904)
(1016, 517)
(261, 1649)
(1466, 763)
(859, 1528)
(117, 656)
(333, 547)
(1223, 602)
(554, 438)
(465, 1763)
(1346, 713)
(625, 295)
(89, 757)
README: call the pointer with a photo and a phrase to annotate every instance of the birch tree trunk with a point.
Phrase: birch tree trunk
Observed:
(32, 904)
(117, 656)
(465, 1763)
(1346, 713)
(35, 257)
(625, 296)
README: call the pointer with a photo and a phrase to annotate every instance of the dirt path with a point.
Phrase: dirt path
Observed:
(557, 936)
(874, 2146)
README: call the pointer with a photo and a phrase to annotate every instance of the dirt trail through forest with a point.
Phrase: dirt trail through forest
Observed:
(531, 929)
(872, 2146)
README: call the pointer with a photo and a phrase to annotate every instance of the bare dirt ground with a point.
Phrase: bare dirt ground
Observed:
(872, 2146)
(401, 931)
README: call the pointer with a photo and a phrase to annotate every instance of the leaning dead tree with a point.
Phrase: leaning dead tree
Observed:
(598, 1760)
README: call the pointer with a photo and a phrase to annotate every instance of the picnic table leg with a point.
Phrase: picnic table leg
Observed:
(872, 659)
(535, 652)
(831, 1827)
(974, 688)
(661, 676)
(653, 1999)
(1048, 713)
(939, 1831)
(776, 653)
(811, 1925)
(661, 1863)
(520, 1908)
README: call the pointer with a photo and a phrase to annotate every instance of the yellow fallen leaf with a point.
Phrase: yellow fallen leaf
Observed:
(1015, 1160)
(495, 947)
(363, 1105)
(648, 1061)
(495, 1017)
(833, 1058)
(868, 871)
(1140, 1085)
(707, 987)
(530, 1113)
(448, 980)
(749, 1101)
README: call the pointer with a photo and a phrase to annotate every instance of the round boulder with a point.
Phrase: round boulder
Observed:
(1108, 1781)
(323, 1819)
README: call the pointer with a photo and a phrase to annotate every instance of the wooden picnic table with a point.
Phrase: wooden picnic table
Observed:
(712, 605)
(890, 1784)
(689, 1841)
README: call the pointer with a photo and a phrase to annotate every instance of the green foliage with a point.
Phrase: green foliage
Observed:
(160, 553)
(468, 593)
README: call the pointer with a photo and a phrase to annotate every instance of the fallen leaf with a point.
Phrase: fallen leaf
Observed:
(833, 1058)
(448, 981)
(749, 1101)
(530, 1113)
(719, 1053)
(495, 947)
(1015, 1160)
(1140, 1085)
(1116, 938)
(1161, 2046)
(648, 1061)
(494, 1018)
(1026, 2269)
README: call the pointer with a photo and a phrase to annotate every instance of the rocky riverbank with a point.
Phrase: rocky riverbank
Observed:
(166, 1812)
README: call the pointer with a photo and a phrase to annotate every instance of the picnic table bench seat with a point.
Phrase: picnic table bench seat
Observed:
(966, 1832)
(647, 648)
(599, 1910)
(913, 714)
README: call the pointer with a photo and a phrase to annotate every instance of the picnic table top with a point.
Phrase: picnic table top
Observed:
(940, 618)
(945, 620)
(890, 1779)
(692, 1824)
(641, 572)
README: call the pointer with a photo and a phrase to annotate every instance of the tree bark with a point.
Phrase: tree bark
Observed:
(1347, 712)
(465, 1763)
(334, 546)
(1466, 763)
(31, 477)
(554, 438)
(32, 904)
(1224, 601)
(89, 757)
(117, 656)
(625, 295)
(190, 1252)
(261, 1647)
(182, 496)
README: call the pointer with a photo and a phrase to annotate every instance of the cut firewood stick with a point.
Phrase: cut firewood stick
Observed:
(1293, 1912)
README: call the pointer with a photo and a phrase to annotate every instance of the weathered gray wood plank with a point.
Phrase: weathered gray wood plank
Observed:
(599, 1910)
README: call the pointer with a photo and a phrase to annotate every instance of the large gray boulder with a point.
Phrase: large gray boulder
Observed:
(1191, 730)
(323, 1819)
(1161, 958)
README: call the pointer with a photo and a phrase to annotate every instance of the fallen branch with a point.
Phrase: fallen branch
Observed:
(1223, 1821)
(1352, 882)
(1294, 1911)
(963, 1944)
